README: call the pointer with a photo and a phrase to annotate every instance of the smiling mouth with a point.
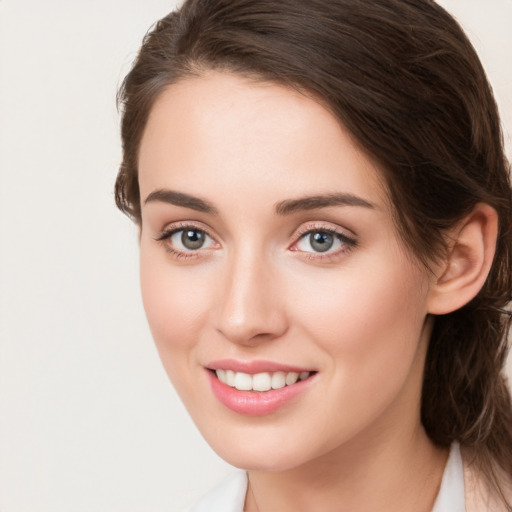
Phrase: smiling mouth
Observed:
(261, 382)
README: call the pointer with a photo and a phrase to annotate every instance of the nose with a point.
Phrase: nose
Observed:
(251, 306)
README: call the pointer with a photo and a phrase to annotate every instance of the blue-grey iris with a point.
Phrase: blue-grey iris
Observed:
(321, 241)
(192, 239)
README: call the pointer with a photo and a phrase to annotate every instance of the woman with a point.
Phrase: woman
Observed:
(325, 214)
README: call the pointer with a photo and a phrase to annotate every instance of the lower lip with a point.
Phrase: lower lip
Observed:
(255, 403)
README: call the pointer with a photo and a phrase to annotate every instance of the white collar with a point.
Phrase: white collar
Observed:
(451, 497)
(228, 496)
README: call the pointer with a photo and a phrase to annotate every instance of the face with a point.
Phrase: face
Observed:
(286, 312)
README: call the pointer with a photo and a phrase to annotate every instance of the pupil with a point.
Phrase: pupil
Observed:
(192, 239)
(321, 242)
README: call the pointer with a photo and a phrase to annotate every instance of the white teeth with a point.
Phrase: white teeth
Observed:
(278, 380)
(243, 381)
(291, 378)
(260, 381)
(230, 378)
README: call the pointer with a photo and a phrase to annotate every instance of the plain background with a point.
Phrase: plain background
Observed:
(88, 420)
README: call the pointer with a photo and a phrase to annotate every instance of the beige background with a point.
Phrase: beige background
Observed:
(88, 421)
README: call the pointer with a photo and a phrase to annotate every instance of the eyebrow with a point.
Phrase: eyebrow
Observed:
(320, 201)
(285, 207)
(181, 199)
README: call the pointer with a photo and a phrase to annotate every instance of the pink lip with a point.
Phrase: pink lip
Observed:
(253, 367)
(256, 403)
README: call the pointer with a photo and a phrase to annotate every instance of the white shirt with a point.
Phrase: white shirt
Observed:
(229, 496)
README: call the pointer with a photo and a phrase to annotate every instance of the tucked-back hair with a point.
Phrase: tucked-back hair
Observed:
(403, 78)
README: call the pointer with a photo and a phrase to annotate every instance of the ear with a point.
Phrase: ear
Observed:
(463, 271)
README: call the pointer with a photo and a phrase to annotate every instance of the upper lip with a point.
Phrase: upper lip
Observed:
(256, 366)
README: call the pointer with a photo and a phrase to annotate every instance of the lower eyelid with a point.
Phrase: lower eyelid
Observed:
(182, 255)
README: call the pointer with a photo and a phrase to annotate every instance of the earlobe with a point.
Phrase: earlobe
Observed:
(464, 269)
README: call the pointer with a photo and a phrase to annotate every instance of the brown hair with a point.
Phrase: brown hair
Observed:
(403, 78)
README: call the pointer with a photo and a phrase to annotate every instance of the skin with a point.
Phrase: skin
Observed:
(257, 290)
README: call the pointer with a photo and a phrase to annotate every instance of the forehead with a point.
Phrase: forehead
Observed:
(221, 130)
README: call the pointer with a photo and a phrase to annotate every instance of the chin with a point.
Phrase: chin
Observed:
(261, 449)
(252, 459)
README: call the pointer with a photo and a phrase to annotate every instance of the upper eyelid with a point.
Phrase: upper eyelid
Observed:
(182, 225)
(321, 226)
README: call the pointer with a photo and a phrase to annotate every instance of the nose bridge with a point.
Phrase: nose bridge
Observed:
(250, 308)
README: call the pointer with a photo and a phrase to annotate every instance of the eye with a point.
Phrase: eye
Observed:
(186, 240)
(319, 241)
(189, 239)
(323, 241)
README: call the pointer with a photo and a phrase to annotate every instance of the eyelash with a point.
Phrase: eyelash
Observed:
(167, 234)
(348, 242)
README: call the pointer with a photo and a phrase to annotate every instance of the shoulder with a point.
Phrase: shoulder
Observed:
(480, 496)
(228, 496)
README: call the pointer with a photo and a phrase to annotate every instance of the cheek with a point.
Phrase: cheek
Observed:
(353, 305)
(175, 304)
(369, 323)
